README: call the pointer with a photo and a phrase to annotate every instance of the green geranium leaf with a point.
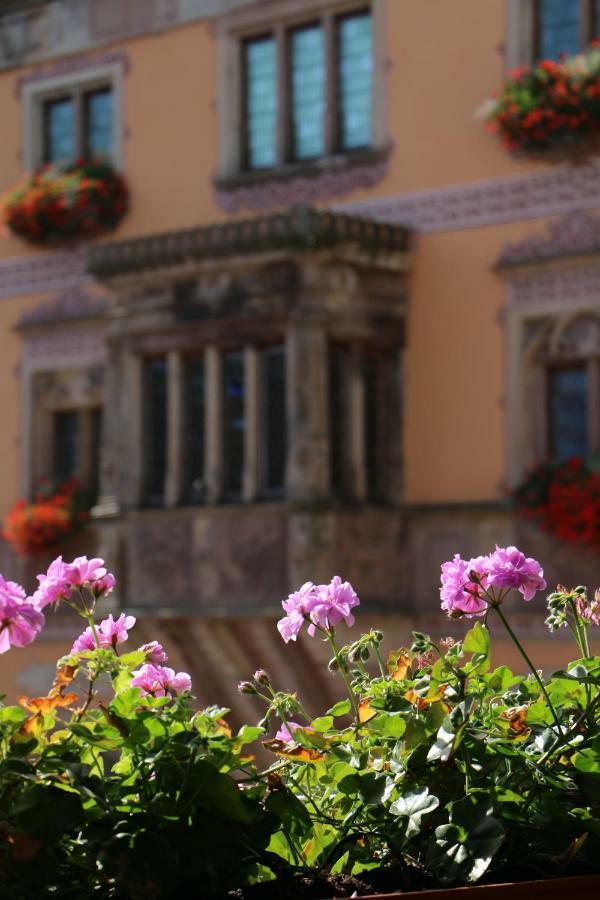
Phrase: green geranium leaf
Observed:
(322, 723)
(342, 708)
(465, 847)
(290, 811)
(477, 641)
(444, 742)
(413, 805)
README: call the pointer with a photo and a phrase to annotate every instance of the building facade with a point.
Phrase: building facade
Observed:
(338, 323)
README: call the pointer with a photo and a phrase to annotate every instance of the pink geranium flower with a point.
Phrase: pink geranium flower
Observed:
(62, 578)
(160, 681)
(55, 585)
(509, 568)
(333, 604)
(110, 633)
(286, 732)
(154, 652)
(20, 620)
(460, 594)
(297, 606)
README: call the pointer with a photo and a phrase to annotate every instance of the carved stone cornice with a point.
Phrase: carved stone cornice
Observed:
(301, 229)
(32, 32)
(558, 287)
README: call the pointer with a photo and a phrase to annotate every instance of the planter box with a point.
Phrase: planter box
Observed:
(582, 888)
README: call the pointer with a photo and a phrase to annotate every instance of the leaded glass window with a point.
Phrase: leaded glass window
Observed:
(274, 420)
(156, 429)
(308, 92)
(355, 80)
(260, 77)
(568, 411)
(234, 423)
(194, 418)
(59, 130)
(99, 123)
(559, 27)
(78, 125)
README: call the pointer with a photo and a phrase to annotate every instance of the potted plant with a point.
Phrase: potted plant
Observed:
(62, 204)
(435, 771)
(550, 110)
(32, 527)
(563, 498)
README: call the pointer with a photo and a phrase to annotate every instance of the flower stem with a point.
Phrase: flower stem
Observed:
(379, 659)
(534, 671)
(343, 672)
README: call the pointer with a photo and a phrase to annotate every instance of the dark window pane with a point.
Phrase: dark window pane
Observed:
(559, 27)
(260, 82)
(274, 417)
(373, 426)
(96, 445)
(98, 106)
(156, 429)
(59, 130)
(355, 80)
(308, 91)
(568, 389)
(339, 421)
(234, 423)
(67, 445)
(596, 19)
(194, 434)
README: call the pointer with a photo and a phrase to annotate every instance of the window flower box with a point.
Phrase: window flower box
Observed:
(55, 206)
(581, 888)
(550, 110)
(563, 498)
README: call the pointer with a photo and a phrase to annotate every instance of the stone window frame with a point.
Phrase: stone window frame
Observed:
(34, 94)
(538, 341)
(279, 19)
(522, 33)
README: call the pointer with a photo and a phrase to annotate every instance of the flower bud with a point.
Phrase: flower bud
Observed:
(262, 677)
(333, 665)
(378, 635)
(365, 654)
(246, 687)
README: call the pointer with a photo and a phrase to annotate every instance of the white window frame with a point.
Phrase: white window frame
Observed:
(35, 94)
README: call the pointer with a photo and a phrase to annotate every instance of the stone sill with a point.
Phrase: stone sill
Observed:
(311, 169)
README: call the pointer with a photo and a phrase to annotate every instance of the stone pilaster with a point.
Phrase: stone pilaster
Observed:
(251, 476)
(213, 429)
(175, 429)
(308, 475)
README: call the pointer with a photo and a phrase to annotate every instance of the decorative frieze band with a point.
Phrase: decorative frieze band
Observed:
(557, 191)
(44, 273)
(555, 287)
(64, 344)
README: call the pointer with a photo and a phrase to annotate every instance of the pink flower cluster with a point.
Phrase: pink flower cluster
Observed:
(469, 587)
(20, 620)
(63, 578)
(160, 681)
(323, 605)
(589, 610)
(110, 632)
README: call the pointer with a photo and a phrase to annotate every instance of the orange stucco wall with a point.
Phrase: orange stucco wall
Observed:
(443, 59)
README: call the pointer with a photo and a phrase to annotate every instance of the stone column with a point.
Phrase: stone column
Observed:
(593, 368)
(251, 476)
(175, 428)
(308, 475)
(213, 428)
(311, 521)
(130, 464)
